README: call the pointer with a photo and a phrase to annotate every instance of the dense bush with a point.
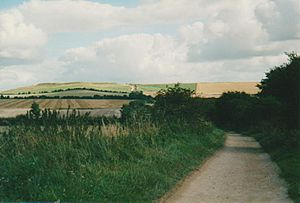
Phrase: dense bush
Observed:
(277, 104)
(283, 83)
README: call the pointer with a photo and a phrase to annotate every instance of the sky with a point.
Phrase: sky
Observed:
(144, 41)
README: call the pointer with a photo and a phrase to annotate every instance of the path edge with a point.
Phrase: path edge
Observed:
(187, 179)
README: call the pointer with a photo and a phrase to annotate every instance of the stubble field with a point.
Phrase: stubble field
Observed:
(63, 103)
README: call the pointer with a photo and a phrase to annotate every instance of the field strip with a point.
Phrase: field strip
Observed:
(41, 102)
(72, 103)
(7, 103)
(58, 104)
(48, 104)
(64, 103)
(76, 102)
(4, 102)
(24, 104)
(84, 104)
(12, 103)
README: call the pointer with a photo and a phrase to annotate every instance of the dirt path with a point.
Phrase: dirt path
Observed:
(240, 172)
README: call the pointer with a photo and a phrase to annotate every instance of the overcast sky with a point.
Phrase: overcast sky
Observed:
(144, 41)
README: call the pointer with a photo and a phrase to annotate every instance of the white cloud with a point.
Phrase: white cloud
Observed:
(82, 16)
(231, 33)
(67, 15)
(20, 75)
(281, 19)
(216, 40)
(19, 41)
(137, 57)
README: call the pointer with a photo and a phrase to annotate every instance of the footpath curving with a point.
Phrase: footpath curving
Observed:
(240, 172)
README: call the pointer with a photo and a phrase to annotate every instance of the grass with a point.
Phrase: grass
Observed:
(157, 87)
(286, 156)
(113, 162)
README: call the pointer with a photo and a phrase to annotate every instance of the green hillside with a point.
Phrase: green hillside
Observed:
(50, 87)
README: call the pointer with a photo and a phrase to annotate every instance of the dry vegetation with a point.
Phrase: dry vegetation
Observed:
(63, 103)
(211, 89)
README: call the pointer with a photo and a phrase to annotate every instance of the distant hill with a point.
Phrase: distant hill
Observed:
(207, 89)
(51, 87)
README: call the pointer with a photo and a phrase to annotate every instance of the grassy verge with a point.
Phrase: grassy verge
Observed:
(286, 155)
(112, 162)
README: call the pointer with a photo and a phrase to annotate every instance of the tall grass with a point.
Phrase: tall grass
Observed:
(284, 148)
(107, 161)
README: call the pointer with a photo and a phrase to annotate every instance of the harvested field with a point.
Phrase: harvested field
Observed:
(10, 113)
(215, 89)
(63, 103)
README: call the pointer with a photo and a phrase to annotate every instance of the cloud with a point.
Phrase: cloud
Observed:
(68, 16)
(159, 58)
(83, 16)
(138, 57)
(20, 75)
(232, 33)
(20, 42)
(216, 40)
(281, 19)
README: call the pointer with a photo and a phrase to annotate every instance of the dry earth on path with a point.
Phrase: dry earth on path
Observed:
(240, 172)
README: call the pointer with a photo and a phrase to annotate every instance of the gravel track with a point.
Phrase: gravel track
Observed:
(240, 172)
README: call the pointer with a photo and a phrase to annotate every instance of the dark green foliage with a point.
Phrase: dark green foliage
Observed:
(278, 103)
(4, 97)
(35, 111)
(174, 102)
(136, 111)
(233, 109)
(283, 83)
(283, 146)
(139, 95)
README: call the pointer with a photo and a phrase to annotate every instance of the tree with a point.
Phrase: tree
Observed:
(174, 102)
(135, 111)
(283, 83)
(235, 110)
(35, 110)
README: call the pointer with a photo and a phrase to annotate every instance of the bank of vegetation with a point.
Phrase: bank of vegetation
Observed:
(272, 117)
(46, 156)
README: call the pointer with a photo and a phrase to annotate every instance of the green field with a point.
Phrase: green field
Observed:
(157, 87)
